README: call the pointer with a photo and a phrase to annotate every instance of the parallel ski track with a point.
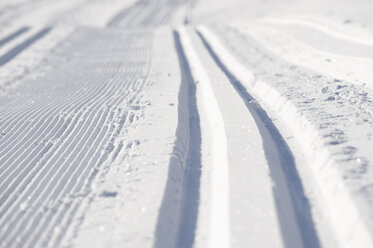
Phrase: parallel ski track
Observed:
(19, 48)
(72, 141)
(13, 35)
(220, 219)
(293, 207)
(311, 124)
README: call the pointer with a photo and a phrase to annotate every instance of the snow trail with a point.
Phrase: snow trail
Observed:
(185, 167)
(341, 204)
(119, 127)
(13, 35)
(9, 55)
(220, 224)
(292, 205)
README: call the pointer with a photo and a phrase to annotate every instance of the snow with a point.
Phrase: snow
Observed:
(328, 178)
(189, 123)
(219, 227)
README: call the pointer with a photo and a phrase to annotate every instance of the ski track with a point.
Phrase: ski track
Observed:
(184, 170)
(18, 49)
(53, 164)
(293, 208)
(220, 221)
(324, 149)
(192, 168)
(58, 129)
(13, 35)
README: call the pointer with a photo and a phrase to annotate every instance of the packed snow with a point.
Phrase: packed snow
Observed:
(186, 123)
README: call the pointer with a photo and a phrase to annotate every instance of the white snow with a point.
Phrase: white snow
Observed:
(189, 123)
(220, 223)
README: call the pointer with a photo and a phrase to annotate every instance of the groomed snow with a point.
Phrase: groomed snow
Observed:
(186, 123)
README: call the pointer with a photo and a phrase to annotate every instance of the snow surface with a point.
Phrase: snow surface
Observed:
(186, 123)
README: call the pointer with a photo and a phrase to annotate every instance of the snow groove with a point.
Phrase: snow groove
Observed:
(177, 228)
(52, 148)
